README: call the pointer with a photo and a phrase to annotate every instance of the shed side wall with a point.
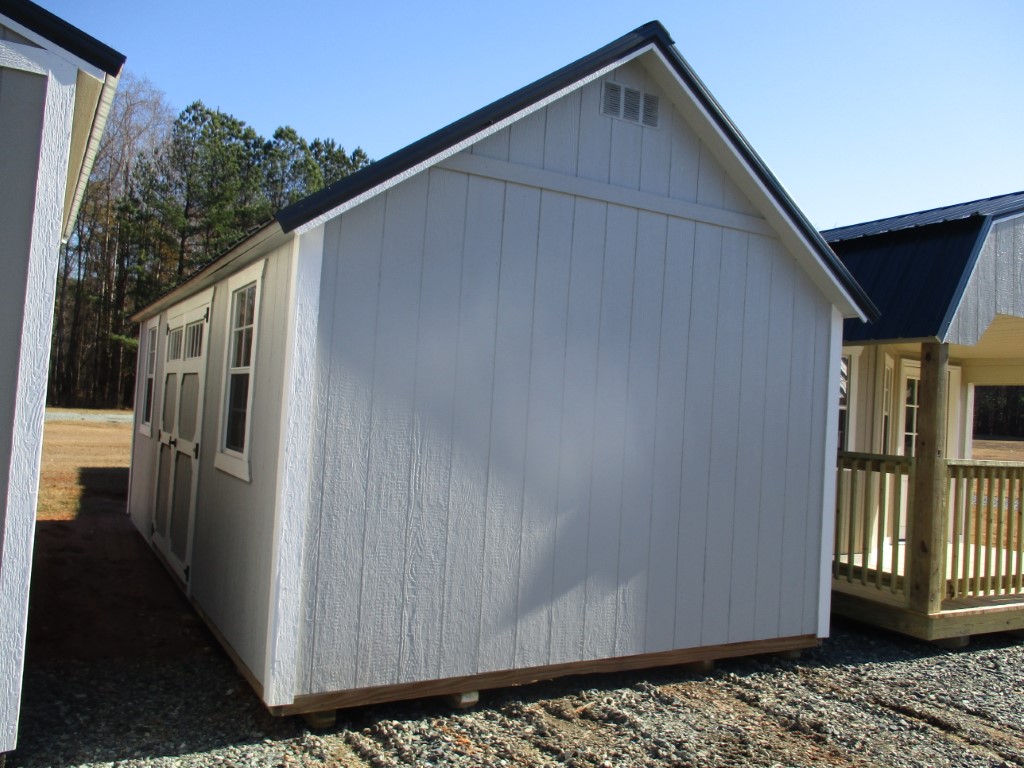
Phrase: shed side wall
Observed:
(230, 569)
(231, 559)
(996, 285)
(558, 429)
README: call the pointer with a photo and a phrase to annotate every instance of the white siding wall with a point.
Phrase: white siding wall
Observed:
(233, 533)
(995, 287)
(555, 428)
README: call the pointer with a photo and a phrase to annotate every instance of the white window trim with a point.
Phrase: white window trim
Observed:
(234, 462)
(854, 354)
(150, 330)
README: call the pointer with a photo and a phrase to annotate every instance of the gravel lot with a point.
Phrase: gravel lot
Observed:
(121, 672)
(863, 698)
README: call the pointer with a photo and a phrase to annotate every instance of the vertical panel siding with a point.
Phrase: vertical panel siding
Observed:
(347, 328)
(638, 463)
(754, 403)
(609, 431)
(388, 492)
(725, 438)
(666, 523)
(558, 429)
(426, 530)
(995, 287)
(543, 430)
(767, 573)
(576, 449)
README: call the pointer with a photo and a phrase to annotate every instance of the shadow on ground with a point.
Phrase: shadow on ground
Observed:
(118, 665)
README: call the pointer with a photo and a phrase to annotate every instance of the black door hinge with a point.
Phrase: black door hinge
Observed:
(195, 451)
(186, 572)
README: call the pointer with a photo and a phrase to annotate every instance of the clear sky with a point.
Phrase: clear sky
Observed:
(862, 109)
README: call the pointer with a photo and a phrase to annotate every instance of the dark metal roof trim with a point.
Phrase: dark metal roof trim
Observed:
(653, 32)
(61, 33)
(996, 206)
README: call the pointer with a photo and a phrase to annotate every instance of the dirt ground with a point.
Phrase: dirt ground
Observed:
(999, 450)
(90, 562)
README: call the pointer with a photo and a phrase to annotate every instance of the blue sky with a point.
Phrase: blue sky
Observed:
(861, 109)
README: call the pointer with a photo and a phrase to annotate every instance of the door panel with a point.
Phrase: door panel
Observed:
(180, 433)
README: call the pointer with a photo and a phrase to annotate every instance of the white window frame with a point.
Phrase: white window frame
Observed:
(233, 462)
(148, 349)
(853, 355)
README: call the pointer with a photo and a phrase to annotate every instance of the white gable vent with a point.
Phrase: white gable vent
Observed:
(629, 104)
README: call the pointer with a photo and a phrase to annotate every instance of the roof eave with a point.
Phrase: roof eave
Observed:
(262, 241)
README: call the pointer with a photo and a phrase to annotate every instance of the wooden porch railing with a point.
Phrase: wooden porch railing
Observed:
(872, 496)
(986, 556)
(983, 518)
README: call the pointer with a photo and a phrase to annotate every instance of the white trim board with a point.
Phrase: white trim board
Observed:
(513, 173)
(297, 417)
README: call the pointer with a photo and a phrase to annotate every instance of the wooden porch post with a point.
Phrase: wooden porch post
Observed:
(928, 512)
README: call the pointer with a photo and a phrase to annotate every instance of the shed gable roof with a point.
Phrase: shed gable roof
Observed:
(652, 36)
(916, 266)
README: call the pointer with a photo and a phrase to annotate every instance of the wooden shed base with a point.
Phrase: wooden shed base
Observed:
(323, 702)
(958, 619)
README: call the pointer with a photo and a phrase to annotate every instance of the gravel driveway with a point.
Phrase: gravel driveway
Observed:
(863, 698)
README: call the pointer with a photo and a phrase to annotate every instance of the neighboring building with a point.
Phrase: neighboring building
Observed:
(549, 391)
(56, 84)
(949, 283)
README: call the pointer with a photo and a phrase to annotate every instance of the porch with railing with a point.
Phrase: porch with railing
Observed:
(983, 560)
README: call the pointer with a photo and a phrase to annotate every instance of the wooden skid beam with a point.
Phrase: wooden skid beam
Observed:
(363, 696)
(948, 623)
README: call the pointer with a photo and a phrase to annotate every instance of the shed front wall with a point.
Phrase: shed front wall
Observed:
(557, 428)
(229, 578)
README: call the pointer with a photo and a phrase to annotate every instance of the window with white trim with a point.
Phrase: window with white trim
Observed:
(148, 370)
(845, 363)
(243, 303)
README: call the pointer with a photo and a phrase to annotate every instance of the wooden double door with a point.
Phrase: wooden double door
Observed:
(180, 431)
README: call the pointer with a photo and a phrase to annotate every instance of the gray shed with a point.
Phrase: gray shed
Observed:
(56, 85)
(549, 391)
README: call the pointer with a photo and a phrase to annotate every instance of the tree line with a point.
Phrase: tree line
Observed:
(999, 412)
(167, 194)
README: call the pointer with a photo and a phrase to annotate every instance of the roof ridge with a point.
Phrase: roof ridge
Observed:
(984, 206)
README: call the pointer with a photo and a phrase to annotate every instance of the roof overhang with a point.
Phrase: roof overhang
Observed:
(98, 71)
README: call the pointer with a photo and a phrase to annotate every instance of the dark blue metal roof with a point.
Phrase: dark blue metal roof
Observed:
(914, 275)
(989, 206)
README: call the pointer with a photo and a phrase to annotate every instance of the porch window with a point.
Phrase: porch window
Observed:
(911, 405)
(239, 372)
(844, 401)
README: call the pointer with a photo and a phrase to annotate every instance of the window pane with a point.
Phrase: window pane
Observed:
(236, 349)
(246, 347)
(238, 398)
(147, 408)
(250, 304)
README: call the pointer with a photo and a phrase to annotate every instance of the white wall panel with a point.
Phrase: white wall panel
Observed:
(556, 428)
